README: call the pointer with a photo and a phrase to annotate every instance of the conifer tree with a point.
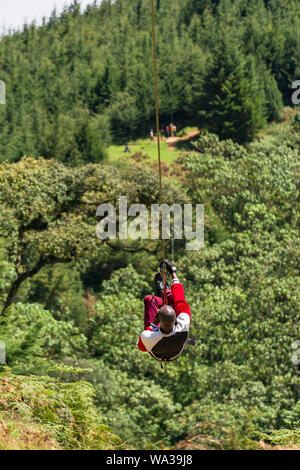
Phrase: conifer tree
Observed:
(273, 102)
(230, 105)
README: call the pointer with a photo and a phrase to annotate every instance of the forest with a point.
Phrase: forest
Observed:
(71, 305)
(84, 79)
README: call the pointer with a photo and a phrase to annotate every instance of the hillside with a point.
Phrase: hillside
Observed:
(83, 80)
(42, 413)
(243, 289)
(72, 304)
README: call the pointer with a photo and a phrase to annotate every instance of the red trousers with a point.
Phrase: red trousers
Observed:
(153, 304)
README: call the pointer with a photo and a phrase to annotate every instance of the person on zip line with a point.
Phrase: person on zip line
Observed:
(166, 327)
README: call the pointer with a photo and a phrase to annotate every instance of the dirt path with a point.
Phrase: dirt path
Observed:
(172, 141)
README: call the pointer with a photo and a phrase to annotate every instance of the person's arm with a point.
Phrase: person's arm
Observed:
(141, 345)
(180, 304)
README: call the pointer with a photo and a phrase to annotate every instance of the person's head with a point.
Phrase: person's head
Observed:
(167, 318)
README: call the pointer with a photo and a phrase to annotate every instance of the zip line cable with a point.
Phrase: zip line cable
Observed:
(158, 142)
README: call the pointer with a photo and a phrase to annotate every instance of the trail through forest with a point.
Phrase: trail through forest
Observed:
(173, 141)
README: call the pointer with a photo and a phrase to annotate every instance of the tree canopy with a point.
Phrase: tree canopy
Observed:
(83, 79)
(71, 305)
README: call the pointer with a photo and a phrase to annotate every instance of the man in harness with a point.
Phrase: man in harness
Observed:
(166, 327)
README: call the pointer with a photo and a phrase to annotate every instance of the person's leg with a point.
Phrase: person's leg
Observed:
(152, 305)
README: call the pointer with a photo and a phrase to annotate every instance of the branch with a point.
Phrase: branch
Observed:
(22, 277)
(128, 250)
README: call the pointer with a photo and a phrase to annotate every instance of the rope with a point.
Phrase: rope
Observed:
(158, 141)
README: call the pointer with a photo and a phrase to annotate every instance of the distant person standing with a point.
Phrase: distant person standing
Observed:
(152, 136)
(127, 149)
(168, 131)
(175, 130)
(162, 133)
(172, 129)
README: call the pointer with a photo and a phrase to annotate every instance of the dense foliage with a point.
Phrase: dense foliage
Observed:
(238, 383)
(42, 413)
(83, 79)
(71, 306)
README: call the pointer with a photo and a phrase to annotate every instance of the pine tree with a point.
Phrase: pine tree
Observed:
(229, 104)
(273, 102)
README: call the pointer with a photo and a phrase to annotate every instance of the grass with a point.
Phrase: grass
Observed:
(21, 434)
(116, 152)
(186, 130)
